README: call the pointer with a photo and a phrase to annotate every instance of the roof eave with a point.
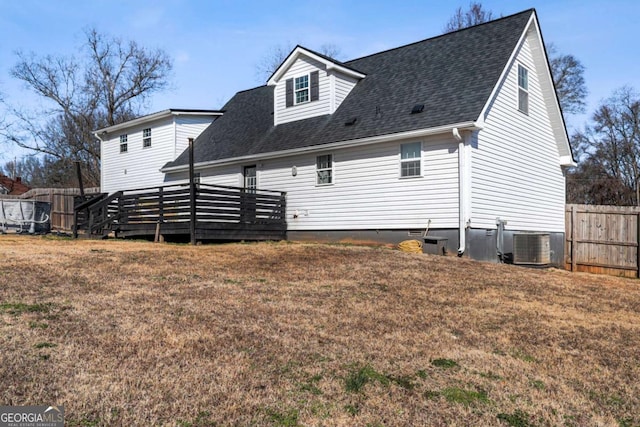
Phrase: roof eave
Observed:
(295, 54)
(469, 126)
(157, 116)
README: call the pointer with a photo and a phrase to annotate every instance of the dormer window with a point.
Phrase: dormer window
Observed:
(302, 89)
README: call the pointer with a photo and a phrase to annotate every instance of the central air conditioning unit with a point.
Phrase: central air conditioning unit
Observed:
(532, 248)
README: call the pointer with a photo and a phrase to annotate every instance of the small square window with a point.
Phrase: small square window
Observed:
(146, 138)
(301, 89)
(124, 146)
(410, 159)
(523, 89)
(324, 169)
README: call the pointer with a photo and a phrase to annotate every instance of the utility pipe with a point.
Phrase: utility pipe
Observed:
(462, 232)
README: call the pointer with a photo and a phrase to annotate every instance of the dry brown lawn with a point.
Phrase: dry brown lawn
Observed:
(285, 334)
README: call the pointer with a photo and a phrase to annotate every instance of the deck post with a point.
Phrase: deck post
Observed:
(75, 223)
(79, 175)
(638, 245)
(574, 238)
(192, 195)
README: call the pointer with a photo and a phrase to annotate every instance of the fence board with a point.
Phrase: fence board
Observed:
(62, 204)
(603, 239)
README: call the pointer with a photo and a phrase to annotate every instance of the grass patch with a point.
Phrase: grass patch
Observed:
(519, 354)
(431, 394)
(444, 363)
(352, 410)
(490, 376)
(464, 397)
(538, 384)
(203, 419)
(38, 325)
(288, 418)
(627, 422)
(45, 345)
(19, 308)
(310, 385)
(164, 336)
(357, 378)
(517, 419)
(404, 381)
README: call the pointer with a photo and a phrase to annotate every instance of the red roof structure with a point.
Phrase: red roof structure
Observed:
(12, 186)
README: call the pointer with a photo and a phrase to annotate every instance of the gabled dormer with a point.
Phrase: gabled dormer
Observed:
(308, 84)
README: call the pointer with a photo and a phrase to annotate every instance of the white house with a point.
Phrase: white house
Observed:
(461, 134)
(133, 152)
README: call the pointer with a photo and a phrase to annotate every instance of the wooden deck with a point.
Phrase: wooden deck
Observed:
(215, 213)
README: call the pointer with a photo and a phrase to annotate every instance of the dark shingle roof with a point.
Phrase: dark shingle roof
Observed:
(453, 75)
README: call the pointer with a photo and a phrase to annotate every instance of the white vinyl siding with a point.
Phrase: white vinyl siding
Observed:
(303, 66)
(188, 127)
(516, 174)
(368, 194)
(343, 85)
(140, 166)
(333, 88)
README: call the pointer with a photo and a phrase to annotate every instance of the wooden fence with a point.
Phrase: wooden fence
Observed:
(62, 202)
(603, 239)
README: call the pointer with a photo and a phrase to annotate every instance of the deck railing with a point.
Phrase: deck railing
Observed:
(222, 210)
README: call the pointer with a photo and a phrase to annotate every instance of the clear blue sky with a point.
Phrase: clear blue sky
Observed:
(216, 45)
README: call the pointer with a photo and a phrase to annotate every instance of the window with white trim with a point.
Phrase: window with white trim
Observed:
(324, 169)
(124, 146)
(146, 138)
(410, 159)
(301, 89)
(523, 89)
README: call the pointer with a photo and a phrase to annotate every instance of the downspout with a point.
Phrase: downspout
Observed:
(462, 211)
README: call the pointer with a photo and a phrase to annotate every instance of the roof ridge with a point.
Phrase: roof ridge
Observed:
(253, 88)
(530, 10)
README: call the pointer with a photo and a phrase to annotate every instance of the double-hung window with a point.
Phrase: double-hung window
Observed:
(301, 89)
(410, 159)
(523, 89)
(124, 146)
(324, 169)
(146, 138)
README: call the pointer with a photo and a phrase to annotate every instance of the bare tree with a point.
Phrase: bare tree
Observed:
(568, 78)
(567, 70)
(473, 16)
(110, 83)
(609, 171)
(276, 56)
(40, 171)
